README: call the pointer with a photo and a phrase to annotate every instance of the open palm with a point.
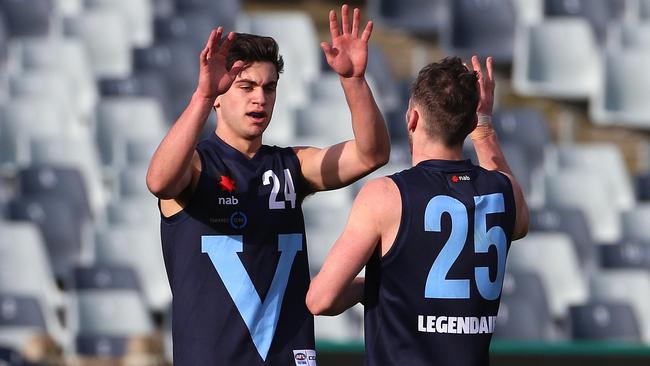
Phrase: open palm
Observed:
(347, 55)
(214, 78)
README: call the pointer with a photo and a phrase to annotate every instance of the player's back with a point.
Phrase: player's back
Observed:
(434, 296)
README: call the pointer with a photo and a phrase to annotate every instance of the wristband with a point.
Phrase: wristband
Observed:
(483, 119)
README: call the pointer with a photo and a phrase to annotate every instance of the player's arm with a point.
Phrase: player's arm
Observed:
(343, 163)
(336, 287)
(175, 164)
(487, 146)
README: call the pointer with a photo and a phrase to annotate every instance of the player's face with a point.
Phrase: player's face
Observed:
(247, 107)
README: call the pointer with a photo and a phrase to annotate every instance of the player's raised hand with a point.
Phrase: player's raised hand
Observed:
(485, 85)
(347, 53)
(214, 78)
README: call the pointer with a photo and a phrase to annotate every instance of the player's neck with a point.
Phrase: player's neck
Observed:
(427, 150)
(248, 147)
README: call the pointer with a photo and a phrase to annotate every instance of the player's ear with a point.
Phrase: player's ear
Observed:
(412, 119)
(217, 103)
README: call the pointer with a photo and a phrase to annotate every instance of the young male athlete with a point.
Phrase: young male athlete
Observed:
(232, 226)
(434, 238)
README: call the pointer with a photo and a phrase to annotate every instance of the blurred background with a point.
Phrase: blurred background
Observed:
(88, 88)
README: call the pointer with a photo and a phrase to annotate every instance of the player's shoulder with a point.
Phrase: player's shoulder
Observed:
(380, 194)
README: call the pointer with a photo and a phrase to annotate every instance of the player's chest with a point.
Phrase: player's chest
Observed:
(269, 189)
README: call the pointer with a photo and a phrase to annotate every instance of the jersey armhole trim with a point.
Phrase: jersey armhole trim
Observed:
(305, 188)
(183, 214)
(404, 223)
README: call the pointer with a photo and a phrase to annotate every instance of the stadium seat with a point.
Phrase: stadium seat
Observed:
(571, 221)
(520, 164)
(484, 28)
(518, 321)
(629, 36)
(44, 84)
(138, 16)
(635, 223)
(10, 356)
(127, 120)
(553, 258)
(328, 87)
(140, 150)
(325, 217)
(66, 8)
(528, 11)
(21, 317)
(79, 153)
(331, 122)
(105, 277)
(61, 227)
(140, 84)
(25, 270)
(585, 190)
(385, 84)
(558, 58)
(629, 285)
(340, 328)
(626, 254)
(526, 127)
(619, 100)
(642, 183)
(524, 287)
(423, 17)
(610, 321)
(25, 267)
(295, 30)
(599, 13)
(71, 61)
(138, 246)
(606, 160)
(134, 210)
(21, 123)
(282, 129)
(4, 40)
(6, 194)
(177, 63)
(296, 35)
(526, 284)
(109, 52)
(28, 17)
(163, 8)
(101, 346)
(132, 182)
(223, 12)
(52, 180)
(190, 28)
(108, 313)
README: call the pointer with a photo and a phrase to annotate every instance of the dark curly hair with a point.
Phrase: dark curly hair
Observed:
(253, 48)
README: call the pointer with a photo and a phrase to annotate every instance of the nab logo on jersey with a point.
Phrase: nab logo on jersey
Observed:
(227, 184)
(230, 201)
(460, 178)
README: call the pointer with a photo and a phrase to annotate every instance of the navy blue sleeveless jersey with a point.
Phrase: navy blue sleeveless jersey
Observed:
(237, 264)
(433, 297)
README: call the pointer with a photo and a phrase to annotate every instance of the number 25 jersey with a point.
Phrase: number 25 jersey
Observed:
(432, 299)
(237, 263)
